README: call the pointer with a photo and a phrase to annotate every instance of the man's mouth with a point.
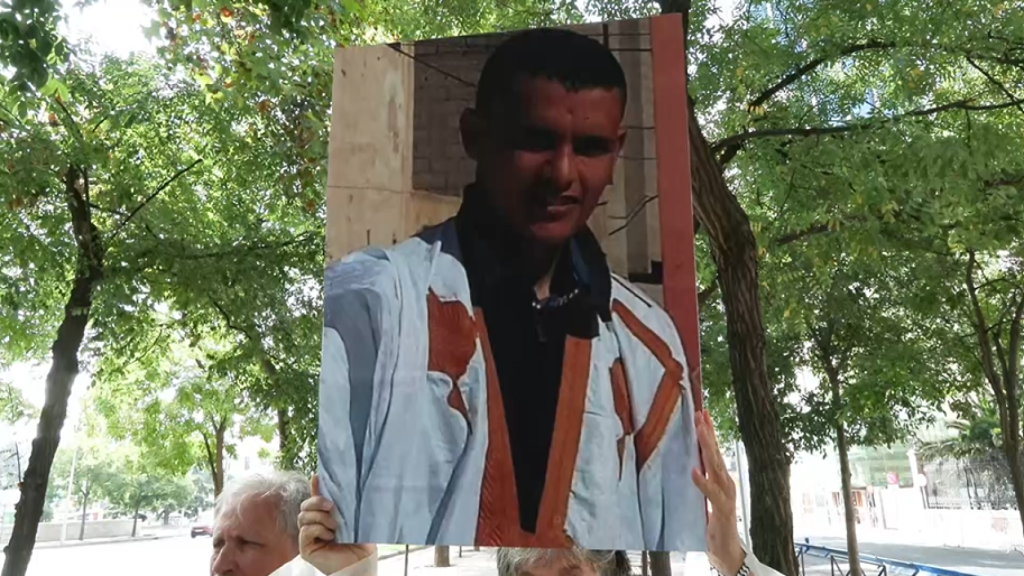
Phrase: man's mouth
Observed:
(563, 200)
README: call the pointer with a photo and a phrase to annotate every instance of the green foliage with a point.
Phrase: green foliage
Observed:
(14, 407)
(29, 43)
(176, 404)
(99, 469)
(977, 435)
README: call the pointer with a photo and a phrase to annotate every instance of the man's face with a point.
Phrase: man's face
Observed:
(248, 541)
(559, 568)
(545, 158)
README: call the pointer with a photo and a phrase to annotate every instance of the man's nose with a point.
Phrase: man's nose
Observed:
(563, 168)
(222, 563)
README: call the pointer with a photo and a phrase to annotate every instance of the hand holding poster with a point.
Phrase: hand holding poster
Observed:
(494, 380)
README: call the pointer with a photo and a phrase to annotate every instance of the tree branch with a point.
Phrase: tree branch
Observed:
(228, 321)
(1016, 328)
(113, 211)
(1002, 87)
(731, 145)
(801, 234)
(209, 454)
(71, 118)
(704, 295)
(984, 341)
(150, 198)
(809, 67)
(255, 248)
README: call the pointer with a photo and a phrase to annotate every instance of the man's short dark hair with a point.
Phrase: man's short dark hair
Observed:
(573, 60)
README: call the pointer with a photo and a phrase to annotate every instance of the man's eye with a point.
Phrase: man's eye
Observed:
(592, 146)
(535, 141)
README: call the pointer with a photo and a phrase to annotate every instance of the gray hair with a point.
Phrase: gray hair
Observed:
(514, 561)
(289, 488)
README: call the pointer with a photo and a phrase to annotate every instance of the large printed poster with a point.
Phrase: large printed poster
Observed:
(491, 376)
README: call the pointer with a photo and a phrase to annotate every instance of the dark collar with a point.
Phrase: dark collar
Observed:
(582, 264)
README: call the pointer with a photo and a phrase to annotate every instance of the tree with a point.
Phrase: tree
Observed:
(137, 484)
(186, 406)
(875, 362)
(202, 500)
(77, 195)
(793, 95)
(92, 191)
(14, 407)
(85, 468)
(983, 292)
(441, 558)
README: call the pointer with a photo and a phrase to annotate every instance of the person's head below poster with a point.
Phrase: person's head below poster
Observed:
(490, 375)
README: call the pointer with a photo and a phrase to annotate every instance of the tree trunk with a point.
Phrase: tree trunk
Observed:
(1015, 459)
(218, 472)
(734, 250)
(1003, 377)
(661, 563)
(85, 508)
(852, 549)
(285, 450)
(441, 557)
(62, 373)
(135, 515)
(17, 457)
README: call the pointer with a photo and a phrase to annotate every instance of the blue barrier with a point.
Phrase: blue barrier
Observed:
(886, 566)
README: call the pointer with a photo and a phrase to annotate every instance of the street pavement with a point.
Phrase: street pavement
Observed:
(183, 556)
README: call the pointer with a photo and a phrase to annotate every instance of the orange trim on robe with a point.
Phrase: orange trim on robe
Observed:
(498, 520)
(623, 407)
(452, 344)
(669, 391)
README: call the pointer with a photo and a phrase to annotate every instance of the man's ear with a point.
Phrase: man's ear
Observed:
(620, 140)
(471, 128)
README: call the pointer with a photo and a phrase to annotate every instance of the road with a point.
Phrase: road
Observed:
(178, 556)
(182, 556)
(968, 560)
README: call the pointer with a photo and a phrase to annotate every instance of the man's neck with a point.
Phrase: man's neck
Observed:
(536, 262)
(539, 262)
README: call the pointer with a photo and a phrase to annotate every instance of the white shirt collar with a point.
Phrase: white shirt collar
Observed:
(299, 567)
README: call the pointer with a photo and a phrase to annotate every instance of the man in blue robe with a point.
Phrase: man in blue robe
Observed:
(490, 381)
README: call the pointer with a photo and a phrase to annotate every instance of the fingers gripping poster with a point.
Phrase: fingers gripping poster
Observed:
(510, 352)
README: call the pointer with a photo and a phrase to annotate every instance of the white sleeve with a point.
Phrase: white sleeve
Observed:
(299, 567)
(365, 567)
(359, 339)
(755, 566)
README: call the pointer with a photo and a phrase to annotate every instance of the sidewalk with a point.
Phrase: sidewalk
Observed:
(939, 536)
(482, 563)
(75, 542)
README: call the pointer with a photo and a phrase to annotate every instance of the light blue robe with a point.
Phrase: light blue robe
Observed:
(403, 466)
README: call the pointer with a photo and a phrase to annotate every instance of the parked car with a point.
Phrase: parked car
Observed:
(202, 527)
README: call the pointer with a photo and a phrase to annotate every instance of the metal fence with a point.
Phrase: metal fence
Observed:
(980, 483)
(839, 563)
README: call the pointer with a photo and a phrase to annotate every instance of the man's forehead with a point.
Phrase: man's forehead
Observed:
(530, 90)
(252, 512)
(559, 567)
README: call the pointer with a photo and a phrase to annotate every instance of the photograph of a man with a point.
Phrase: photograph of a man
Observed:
(490, 382)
